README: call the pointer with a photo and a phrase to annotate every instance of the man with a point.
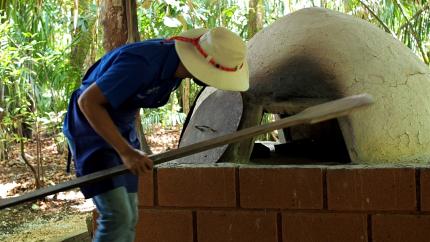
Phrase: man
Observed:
(99, 124)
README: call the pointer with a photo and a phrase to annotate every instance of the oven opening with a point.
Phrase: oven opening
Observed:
(317, 143)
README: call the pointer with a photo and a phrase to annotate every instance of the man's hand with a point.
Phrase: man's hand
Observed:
(137, 162)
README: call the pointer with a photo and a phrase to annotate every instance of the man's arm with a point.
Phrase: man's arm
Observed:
(93, 105)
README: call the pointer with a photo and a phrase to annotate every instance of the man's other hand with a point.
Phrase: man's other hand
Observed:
(137, 162)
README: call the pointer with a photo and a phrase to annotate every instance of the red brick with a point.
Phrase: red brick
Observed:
(401, 228)
(196, 187)
(164, 226)
(299, 188)
(146, 189)
(371, 189)
(425, 189)
(217, 226)
(324, 227)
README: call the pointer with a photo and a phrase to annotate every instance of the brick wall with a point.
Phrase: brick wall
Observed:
(285, 204)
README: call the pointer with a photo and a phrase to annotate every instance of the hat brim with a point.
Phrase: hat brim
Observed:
(199, 67)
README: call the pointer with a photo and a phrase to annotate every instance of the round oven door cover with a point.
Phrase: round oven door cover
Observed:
(216, 113)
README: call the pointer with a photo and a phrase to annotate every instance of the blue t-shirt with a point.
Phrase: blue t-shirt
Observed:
(133, 76)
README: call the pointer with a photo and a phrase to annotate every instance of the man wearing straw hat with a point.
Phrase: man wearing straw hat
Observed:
(99, 124)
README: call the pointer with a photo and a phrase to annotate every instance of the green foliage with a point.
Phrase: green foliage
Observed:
(37, 39)
(166, 18)
(166, 116)
(35, 75)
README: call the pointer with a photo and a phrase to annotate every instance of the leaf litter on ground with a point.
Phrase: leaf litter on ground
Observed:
(42, 219)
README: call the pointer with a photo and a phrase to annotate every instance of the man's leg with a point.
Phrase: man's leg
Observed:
(116, 216)
(134, 212)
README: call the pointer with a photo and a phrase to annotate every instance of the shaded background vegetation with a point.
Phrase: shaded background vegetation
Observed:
(46, 47)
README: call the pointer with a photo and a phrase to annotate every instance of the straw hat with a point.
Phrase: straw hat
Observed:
(216, 57)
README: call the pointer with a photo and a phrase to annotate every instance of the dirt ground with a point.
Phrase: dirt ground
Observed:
(59, 217)
(43, 225)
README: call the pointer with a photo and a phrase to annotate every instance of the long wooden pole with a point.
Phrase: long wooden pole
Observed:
(317, 113)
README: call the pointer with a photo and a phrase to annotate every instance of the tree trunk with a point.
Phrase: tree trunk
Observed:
(2, 87)
(113, 19)
(323, 4)
(3, 7)
(119, 20)
(186, 96)
(183, 95)
(132, 25)
(91, 57)
(255, 17)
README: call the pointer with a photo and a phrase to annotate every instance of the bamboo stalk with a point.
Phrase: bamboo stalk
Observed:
(387, 29)
(417, 14)
(413, 33)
